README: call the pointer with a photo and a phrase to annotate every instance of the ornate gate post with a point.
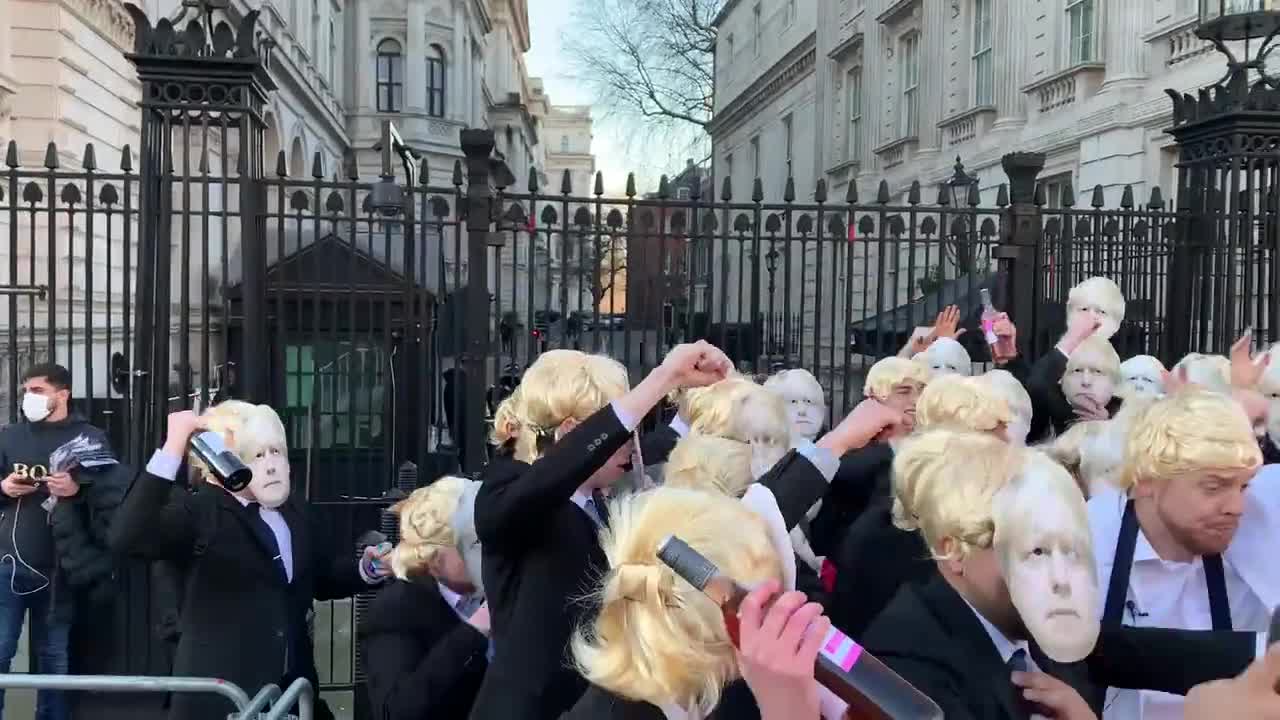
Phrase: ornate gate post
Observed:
(1224, 273)
(478, 146)
(198, 73)
(1021, 234)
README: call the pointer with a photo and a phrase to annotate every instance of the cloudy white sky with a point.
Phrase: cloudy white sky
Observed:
(548, 20)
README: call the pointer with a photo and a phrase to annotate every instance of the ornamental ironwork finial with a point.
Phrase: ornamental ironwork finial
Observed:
(202, 30)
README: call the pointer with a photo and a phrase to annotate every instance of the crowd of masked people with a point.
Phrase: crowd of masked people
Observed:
(1070, 536)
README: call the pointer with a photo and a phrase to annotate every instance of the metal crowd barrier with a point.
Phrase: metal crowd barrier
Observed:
(299, 693)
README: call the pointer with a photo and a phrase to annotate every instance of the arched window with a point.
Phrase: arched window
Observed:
(435, 81)
(390, 76)
(564, 143)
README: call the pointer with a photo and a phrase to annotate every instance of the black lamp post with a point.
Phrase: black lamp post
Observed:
(771, 264)
(1223, 21)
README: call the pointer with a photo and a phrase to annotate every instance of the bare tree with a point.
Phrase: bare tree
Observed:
(602, 265)
(650, 60)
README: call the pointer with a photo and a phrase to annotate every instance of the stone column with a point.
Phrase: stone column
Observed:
(415, 58)
(8, 86)
(362, 68)
(1010, 39)
(932, 49)
(1121, 29)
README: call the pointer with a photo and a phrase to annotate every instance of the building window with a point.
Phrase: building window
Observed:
(756, 29)
(910, 54)
(853, 142)
(682, 193)
(791, 12)
(313, 40)
(1080, 14)
(564, 143)
(390, 76)
(787, 136)
(435, 81)
(1053, 190)
(984, 67)
(755, 157)
(729, 47)
(728, 167)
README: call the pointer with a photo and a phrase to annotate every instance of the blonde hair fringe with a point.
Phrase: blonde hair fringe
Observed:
(562, 385)
(964, 403)
(425, 526)
(656, 639)
(890, 372)
(1192, 431)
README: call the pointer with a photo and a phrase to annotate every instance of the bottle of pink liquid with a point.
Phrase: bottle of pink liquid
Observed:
(1001, 347)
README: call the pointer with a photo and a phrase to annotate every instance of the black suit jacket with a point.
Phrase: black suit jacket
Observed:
(874, 561)
(865, 476)
(420, 658)
(930, 636)
(241, 619)
(657, 444)
(540, 555)
(1051, 413)
(736, 703)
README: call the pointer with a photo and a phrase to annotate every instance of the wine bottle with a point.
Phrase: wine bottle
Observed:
(1002, 347)
(871, 689)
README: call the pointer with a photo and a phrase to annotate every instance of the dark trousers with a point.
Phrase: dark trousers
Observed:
(49, 618)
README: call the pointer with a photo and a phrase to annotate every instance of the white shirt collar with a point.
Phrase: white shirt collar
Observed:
(449, 596)
(1004, 645)
(581, 499)
(680, 426)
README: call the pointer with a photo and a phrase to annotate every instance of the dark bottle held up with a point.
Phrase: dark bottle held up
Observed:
(872, 690)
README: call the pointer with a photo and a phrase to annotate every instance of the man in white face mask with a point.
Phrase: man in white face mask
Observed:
(254, 557)
(42, 502)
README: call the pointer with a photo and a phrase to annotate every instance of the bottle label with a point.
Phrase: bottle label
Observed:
(841, 650)
(989, 330)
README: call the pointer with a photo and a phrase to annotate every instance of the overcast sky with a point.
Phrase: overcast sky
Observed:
(548, 19)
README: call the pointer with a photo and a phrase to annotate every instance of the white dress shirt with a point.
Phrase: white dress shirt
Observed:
(680, 426)
(1169, 594)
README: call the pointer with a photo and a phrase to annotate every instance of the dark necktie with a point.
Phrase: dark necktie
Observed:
(1018, 661)
(599, 508)
(267, 536)
(467, 605)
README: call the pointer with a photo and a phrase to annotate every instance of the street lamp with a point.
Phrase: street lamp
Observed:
(1223, 21)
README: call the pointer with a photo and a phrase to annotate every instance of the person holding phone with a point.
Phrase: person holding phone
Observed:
(38, 507)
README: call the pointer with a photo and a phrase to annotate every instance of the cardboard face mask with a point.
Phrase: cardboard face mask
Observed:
(464, 530)
(1090, 375)
(1101, 298)
(1269, 386)
(1043, 542)
(805, 402)
(1141, 376)
(946, 356)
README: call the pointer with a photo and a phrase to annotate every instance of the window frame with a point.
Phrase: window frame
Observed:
(436, 69)
(390, 89)
(982, 53)
(853, 101)
(754, 144)
(1078, 31)
(788, 136)
(757, 27)
(909, 71)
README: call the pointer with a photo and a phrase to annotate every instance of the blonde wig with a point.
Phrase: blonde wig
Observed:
(426, 526)
(963, 403)
(247, 429)
(944, 483)
(563, 385)
(1094, 451)
(1011, 390)
(891, 372)
(1191, 432)
(1102, 291)
(656, 639)
(506, 420)
(741, 409)
(709, 463)
(1211, 372)
(799, 376)
(929, 464)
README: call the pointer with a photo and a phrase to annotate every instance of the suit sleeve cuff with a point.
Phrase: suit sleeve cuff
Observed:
(1262, 645)
(164, 465)
(823, 459)
(366, 573)
(624, 419)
